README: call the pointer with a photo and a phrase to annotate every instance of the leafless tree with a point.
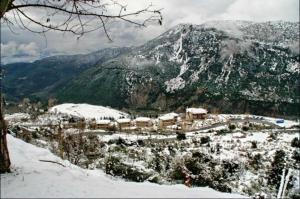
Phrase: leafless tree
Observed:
(78, 17)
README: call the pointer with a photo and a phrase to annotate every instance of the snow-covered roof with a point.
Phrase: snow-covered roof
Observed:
(123, 120)
(168, 116)
(87, 111)
(196, 110)
(102, 121)
(142, 119)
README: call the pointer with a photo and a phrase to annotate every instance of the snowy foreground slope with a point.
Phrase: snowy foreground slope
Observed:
(33, 178)
(87, 111)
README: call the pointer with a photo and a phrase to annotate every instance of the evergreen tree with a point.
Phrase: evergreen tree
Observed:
(278, 164)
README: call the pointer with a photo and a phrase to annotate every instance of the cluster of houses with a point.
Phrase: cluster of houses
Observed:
(169, 120)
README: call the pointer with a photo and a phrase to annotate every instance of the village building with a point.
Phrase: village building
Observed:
(74, 122)
(103, 124)
(168, 119)
(124, 123)
(143, 122)
(195, 114)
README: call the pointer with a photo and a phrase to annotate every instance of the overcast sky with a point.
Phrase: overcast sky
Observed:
(26, 46)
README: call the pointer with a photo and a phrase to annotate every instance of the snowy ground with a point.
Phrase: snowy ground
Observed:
(286, 123)
(33, 178)
(88, 111)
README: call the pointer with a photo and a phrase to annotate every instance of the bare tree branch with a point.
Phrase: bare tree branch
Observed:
(78, 15)
(53, 162)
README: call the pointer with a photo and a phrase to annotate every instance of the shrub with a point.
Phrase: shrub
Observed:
(222, 187)
(295, 196)
(176, 173)
(256, 161)
(115, 167)
(254, 145)
(181, 136)
(245, 128)
(274, 176)
(205, 140)
(295, 142)
(273, 136)
(231, 127)
(231, 167)
(141, 142)
(223, 131)
(296, 156)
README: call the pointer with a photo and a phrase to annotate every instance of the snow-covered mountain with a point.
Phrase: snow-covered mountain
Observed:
(35, 177)
(228, 66)
(232, 65)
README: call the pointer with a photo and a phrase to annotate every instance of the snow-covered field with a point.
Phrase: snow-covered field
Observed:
(16, 117)
(88, 111)
(33, 178)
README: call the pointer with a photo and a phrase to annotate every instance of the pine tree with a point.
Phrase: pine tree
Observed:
(276, 169)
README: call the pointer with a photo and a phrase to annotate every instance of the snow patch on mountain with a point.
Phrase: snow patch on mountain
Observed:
(175, 84)
(293, 67)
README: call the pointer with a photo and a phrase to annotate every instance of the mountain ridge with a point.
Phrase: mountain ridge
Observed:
(192, 65)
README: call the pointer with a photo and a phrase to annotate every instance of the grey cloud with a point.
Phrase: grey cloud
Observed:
(174, 12)
(19, 52)
(231, 47)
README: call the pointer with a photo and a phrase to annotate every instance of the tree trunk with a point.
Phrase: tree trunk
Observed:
(4, 155)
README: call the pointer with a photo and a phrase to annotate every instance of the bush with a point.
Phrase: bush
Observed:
(120, 141)
(273, 136)
(275, 173)
(295, 142)
(231, 127)
(204, 140)
(141, 142)
(176, 173)
(245, 128)
(256, 161)
(296, 156)
(254, 145)
(230, 167)
(181, 136)
(115, 167)
(295, 196)
(203, 179)
(222, 187)
(223, 131)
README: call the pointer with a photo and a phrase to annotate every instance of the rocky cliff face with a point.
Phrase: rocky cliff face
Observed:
(234, 66)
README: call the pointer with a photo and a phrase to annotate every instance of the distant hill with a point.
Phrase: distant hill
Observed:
(42, 78)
